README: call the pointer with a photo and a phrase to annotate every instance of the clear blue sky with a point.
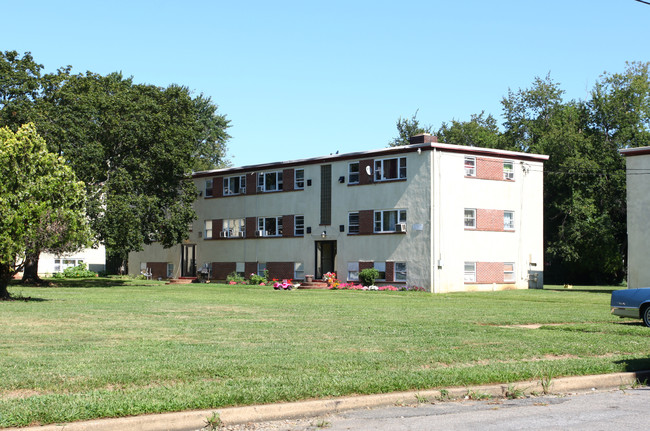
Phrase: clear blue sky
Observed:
(307, 78)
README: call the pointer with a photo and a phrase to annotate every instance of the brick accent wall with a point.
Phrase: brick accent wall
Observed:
(390, 271)
(250, 268)
(489, 220)
(287, 179)
(366, 221)
(251, 184)
(251, 227)
(489, 272)
(364, 178)
(489, 169)
(158, 269)
(287, 225)
(217, 187)
(366, 265)
(220, 270)
(217, 227)
(280, 270)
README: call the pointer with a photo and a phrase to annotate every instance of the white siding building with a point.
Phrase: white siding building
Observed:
(637, 162)
(438, 216)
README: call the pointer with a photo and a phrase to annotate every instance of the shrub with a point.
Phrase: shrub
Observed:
(234, 278)
(79, 271)
(256, 280)
(368, 276)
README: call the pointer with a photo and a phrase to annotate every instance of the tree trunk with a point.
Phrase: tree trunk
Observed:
(30, 273)
(5, 277)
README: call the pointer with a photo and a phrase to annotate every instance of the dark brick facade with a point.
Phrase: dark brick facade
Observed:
(280, 270)
(366, 221)
(390, 271)
(287, 226)
(220, 270)
(251, 227)
(364, 178)
(158, 269)
(287, 179)
(217, 187)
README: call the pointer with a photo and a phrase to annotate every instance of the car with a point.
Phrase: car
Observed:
(634, 303)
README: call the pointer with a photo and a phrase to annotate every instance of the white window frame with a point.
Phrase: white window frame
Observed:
(469, 218)
(298, 270)
(261, 266)
(299, 225)
(353, 176)
(170, 270)
(231, 228)
(379, 225)
(240, 268)
(399, 271)
(470, 272)
(264, 186)
(62, 264)
(509, 174)
(299, 180)
(509, 274)
(470, 166)
(508, 220)
(208, 188)
(381, 267)
(380, 172)
(263, 224)
(234, 185)
(353, 228)
(207, 229)
(353, 271)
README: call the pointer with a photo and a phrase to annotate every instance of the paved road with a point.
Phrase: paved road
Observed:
(613, 410)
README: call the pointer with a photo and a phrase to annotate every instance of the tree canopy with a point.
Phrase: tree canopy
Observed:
(42, 204)
(584, 181)
(134, 145)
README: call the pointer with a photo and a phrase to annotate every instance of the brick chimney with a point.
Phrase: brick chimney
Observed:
(423, 138)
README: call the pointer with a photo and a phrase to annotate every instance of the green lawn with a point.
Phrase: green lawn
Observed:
(106, 348)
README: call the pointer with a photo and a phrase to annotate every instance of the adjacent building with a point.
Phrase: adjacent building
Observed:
(443, 217)
(637, 162)
(94, 258)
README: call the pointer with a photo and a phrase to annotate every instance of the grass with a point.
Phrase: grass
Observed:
(109, 348)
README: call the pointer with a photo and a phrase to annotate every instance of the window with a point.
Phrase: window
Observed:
(61, 265)
(298, 270)
(470, 272)
(233, 228)
(208, 229)
(299, 225)
(353, 173)
(509, 272)
(208, 188)
(390, 169)
(381, 267)
(299, 179)
(269, 181)
(261, 267)
(400, 271)
(234, 185)
(508, 170)
(509, 220)
(170, 270)
(470, 218)
(386, 221)
(269, 226)
(470, 166)
(353, 223)
(240, 269)
(353, 271)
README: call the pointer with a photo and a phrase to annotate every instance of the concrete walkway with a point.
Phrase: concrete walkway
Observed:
(194, 420)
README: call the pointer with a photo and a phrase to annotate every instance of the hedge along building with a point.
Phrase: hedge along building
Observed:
(443, 217)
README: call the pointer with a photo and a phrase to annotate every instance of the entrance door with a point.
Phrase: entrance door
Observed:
(188, 260)
(325, 257)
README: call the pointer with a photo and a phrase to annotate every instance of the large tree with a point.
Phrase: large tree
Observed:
(134, 145)
(406, 128)
(42, 205)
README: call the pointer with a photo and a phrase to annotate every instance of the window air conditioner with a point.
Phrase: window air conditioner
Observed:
(400, 227)
(222, 234)
(241, 234)
(259, 233)
(509, 175)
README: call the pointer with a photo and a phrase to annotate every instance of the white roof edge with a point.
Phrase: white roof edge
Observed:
(401, 148)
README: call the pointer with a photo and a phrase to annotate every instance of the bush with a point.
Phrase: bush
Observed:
(256, 280)
(368, 276)
(79, 271)
(234, 277)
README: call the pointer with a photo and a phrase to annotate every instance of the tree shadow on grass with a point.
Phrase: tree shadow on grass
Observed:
(88, 283)
(584, 289)
(20, 298)
(640, 364)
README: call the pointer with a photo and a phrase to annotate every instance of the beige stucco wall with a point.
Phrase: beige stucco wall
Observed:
(638, 223)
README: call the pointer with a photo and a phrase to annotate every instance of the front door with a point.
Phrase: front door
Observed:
(188, 260)
(325, 257)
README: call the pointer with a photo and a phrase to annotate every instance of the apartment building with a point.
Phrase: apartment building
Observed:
(443, 217)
